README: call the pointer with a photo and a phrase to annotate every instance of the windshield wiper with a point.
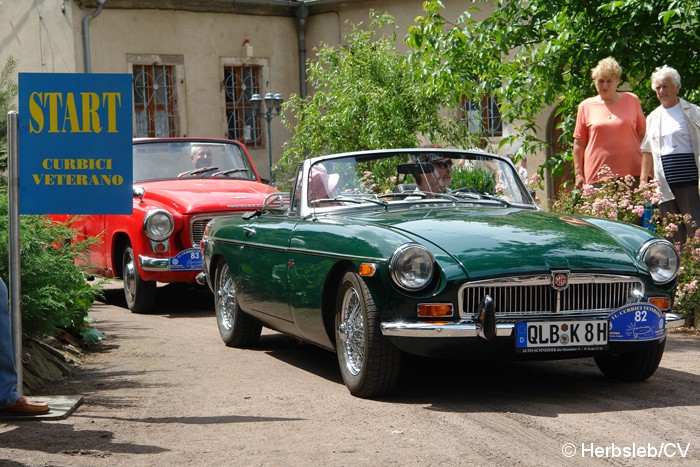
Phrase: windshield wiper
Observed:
(201, 170)
(229, 171)
(347, 199)
(477, 194)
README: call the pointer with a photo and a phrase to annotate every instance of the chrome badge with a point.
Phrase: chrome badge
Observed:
(560, 280)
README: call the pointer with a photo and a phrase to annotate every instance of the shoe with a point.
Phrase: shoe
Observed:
(24, 407)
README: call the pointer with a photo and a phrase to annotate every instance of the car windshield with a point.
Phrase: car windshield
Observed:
(386, 178)
(167, 160)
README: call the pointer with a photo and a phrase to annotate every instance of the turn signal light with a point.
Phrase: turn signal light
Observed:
(160, 248)
(662, 303)
(368, 269)
(435, 310)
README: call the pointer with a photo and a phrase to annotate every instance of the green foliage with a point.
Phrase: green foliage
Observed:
(688, 290)
(477, 177)
(366, 96)
(533, 54)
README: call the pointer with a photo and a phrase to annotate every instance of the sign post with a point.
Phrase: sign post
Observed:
(15, 284)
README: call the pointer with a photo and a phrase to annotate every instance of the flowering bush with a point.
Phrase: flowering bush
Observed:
(619, 199)
(688, 290)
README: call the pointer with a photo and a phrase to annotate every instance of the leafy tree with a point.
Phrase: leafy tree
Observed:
(367, 96)
(54, 290)
(533, 54)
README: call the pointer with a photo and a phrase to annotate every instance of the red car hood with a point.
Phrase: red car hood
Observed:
(207, 195)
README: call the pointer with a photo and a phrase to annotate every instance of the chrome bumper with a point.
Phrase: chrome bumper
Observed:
(469, 329)
(154, 264)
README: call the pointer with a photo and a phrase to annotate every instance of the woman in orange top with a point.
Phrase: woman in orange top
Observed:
(609, 128)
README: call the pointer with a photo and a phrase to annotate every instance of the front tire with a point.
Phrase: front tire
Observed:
(369, 363)
(140, 295)
(633, 366)
(237, 329)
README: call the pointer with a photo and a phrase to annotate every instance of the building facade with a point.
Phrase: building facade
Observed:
(195, 63)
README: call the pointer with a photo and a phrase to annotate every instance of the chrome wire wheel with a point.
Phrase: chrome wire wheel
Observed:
(369, 362)
(236, 328)
(225, 299)
(352, 332)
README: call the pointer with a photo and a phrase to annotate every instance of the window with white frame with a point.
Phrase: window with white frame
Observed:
(483, 116)
(240, 83)
(155, 100)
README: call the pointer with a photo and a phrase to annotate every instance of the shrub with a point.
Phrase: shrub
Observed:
(477, 178)
(55, 293)
(688, 291)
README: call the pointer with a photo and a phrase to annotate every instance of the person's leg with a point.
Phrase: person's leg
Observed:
(11, 402)
(8, 372)
(670, 207)
(688, 202)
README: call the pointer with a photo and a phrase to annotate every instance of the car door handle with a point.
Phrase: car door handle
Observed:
(249, 231)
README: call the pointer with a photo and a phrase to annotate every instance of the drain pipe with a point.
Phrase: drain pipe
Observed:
(86, 34)
(302, 12)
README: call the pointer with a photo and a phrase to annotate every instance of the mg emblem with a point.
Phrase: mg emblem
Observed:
(560, 279)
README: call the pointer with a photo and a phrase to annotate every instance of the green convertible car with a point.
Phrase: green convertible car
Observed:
(440, 253)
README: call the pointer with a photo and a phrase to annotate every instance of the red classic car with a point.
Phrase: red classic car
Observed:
(180, 184)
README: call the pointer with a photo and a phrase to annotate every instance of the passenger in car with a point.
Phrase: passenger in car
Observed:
(322, 184)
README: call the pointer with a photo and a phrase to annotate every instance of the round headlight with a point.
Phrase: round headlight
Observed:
(662, 260)
(158, 225)
(412, 266)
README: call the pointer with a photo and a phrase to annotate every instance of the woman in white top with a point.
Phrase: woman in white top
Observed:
(671, 150)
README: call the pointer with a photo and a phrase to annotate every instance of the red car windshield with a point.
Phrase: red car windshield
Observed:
(167, 160)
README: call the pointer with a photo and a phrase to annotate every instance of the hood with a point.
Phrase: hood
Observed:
(207, 195)
(490, 242)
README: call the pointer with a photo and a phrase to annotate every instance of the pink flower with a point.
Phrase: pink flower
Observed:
(638, 210)
(589, 191)
(671, 227)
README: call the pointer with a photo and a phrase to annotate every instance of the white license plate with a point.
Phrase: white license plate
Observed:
(555, 336)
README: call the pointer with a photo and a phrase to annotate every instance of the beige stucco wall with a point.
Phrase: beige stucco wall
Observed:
(39, 34)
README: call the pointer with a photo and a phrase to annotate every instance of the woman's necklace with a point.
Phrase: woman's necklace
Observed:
(610, 107)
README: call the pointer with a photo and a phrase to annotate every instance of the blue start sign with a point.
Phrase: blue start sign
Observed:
(75, 143)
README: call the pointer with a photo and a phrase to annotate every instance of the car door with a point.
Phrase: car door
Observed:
(97, 258)
(264, 264)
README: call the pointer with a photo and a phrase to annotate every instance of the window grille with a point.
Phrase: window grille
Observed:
(483, 116)
(155, 105)
(240, 83)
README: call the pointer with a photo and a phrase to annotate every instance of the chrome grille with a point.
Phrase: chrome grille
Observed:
(197, 226)
(535, 294)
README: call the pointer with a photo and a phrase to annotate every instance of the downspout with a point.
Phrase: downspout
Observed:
(302, 12)
(86, 34)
